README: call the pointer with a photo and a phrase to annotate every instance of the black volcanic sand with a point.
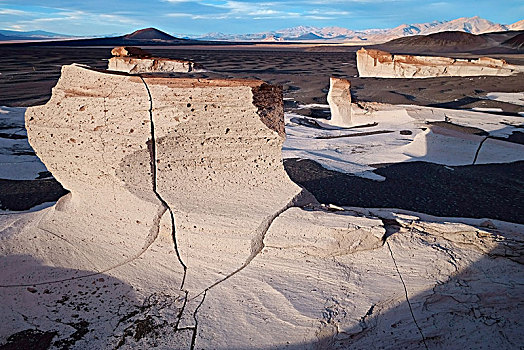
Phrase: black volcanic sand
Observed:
(478, 191)
(29, 73)
(24, 194)
(445, 92)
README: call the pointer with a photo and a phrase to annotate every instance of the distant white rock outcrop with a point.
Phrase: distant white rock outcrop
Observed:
(339, 100)
(134, 60)
(381, 64)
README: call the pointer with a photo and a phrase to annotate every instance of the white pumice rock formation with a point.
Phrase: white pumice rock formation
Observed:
(183, 231)
(136, 65)
(135, 61)
(339, 100)
(129, 51)
(344, 113)
(381, 64)
(220, 168)
(126, 167)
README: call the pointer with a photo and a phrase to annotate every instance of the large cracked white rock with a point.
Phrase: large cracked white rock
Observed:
(325, 299)
(219, 168)
(381, 64)
(215, 164)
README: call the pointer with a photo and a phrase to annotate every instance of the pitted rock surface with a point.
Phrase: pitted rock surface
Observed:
(381, 64)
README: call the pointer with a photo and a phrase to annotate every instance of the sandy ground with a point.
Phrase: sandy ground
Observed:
(437, 190)
(28, 75)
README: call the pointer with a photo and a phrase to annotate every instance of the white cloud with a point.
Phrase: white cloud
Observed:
(318, 17)
(179, 14)
(12, 12)
(329, 12)
(65, 19)
(258, 11)
(196, 16)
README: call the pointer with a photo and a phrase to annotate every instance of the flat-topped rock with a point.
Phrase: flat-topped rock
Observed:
(137, 65)
(381, 64)
(129, 51)
(339, 100)
(131, 150)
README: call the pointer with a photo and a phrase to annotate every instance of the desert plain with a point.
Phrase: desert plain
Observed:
(402, 230)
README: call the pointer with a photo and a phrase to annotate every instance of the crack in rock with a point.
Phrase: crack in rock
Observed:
(158, 315)
(153, 162)
(407, 297)
(151, 237)
(195, 330)
(478, 150)
(257, 243)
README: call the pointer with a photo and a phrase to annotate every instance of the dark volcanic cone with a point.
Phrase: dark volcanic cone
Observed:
(149, 34)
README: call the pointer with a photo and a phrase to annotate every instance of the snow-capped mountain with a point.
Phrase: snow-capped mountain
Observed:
(473, 25)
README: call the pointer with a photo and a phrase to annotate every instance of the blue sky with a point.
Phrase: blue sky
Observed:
(99, 17)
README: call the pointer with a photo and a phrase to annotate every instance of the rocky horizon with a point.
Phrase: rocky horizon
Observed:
(473, 25)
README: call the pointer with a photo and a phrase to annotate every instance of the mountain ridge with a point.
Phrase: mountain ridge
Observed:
(472, 25)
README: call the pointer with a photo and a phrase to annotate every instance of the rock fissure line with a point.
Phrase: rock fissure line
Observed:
(478, 150)
(257, 244)
(151, 236)
(407, 297)
(154, 178)
(181, 312)
(195, 328)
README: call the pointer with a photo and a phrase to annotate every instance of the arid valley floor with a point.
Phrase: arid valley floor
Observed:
(30, 73)
(413, 240)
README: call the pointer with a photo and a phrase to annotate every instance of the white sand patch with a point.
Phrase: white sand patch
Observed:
(516, 98)
(496, 125)
(486, 109)
(313, 105)
(402, 134)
